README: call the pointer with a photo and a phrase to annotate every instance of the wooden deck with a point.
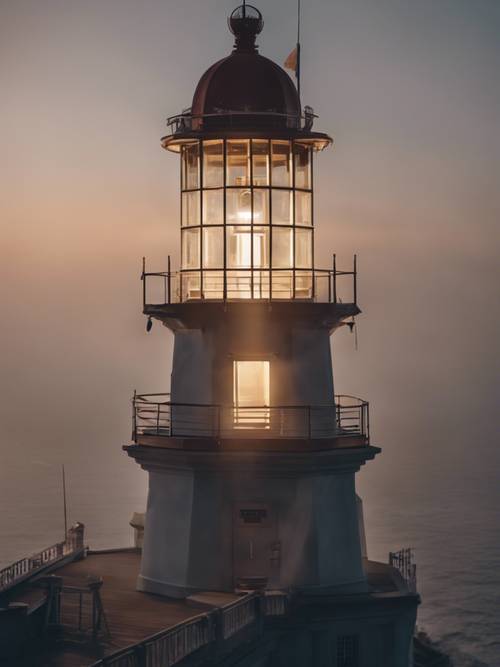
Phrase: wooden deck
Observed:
(131, 615)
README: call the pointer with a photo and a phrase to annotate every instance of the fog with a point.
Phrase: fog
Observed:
(409, 91)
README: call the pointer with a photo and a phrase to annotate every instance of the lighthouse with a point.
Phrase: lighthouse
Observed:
(253, 453)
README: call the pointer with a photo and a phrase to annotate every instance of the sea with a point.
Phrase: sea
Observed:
(450, 520)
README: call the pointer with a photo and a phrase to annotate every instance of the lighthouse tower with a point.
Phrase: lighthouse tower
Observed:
(252, 455)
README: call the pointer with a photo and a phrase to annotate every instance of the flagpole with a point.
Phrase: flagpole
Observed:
(298, 50)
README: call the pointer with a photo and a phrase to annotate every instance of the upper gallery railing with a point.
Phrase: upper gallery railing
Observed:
(319, 285)
(189, 122)
(156, 415)
(25, 567)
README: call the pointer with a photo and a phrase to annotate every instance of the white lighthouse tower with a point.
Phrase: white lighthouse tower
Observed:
(252, 455)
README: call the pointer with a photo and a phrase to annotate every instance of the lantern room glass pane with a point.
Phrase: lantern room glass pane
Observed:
(213, 248)
(191, 248)
(238, 206)
(281, 162)
(282, 207)
(191, 166)
(303, 248)
(260, 284)
(303, 208)
(213, 207)
(238, 162)
(303, 285)
(213, 164)
(282, 248)
(239, 284)
(261, 206)
(190, 286)
(213, 284)
(302, 166)
(260, 157)
(261, 247)
(239, 247)
(282, 285)
(191, 208)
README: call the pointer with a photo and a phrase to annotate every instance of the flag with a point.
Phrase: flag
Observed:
(292, 61)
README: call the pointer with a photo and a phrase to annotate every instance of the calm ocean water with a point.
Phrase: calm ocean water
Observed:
(453, 530)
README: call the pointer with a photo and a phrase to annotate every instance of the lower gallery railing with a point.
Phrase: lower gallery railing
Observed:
(155, 414)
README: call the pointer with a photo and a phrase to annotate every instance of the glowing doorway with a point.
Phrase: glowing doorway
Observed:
(251, 394)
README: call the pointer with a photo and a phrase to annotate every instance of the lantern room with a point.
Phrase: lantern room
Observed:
(247, 219)
(246, 153)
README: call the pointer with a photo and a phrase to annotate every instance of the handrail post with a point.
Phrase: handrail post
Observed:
(157, 419)
(334, 277)
(169, 283)
(134, 417)
(367, 423)
(143, 278)
(355, 271)
(309, 421)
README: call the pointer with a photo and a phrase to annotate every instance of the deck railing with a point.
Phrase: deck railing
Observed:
(171, 646)
(25, 567)
(239, 614)
(319, 285)
(156, 415)
(402, 560)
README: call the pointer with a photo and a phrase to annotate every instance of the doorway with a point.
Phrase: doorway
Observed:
(256, 550)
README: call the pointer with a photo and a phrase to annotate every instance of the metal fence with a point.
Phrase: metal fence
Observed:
(25, 567)
(320, 285)
(155, 414)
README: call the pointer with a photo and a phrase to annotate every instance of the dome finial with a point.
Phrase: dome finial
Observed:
(245, 23)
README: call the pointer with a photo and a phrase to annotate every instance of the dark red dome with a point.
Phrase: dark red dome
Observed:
(245, 82)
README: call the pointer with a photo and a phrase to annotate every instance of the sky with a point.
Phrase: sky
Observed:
(411, 95)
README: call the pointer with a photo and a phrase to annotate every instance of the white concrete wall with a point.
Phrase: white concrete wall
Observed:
(167, 534)
(189, 531)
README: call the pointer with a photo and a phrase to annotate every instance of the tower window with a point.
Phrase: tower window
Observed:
(251, 392)
(347, 651)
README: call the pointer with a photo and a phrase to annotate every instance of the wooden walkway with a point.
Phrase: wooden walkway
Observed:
(131, 615)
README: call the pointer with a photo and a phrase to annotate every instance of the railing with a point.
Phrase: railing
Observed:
(156, 415)
(275, 603)
(25, 567)
(187, 121)
(319, 285)
(212, 629)
(169, 647)
(402, 560)
(239, 614)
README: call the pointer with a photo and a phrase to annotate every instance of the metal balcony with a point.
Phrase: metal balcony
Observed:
(154, 415)
(313, 285)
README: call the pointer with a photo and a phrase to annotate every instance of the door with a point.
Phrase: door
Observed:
(256, 550)
(251, 390)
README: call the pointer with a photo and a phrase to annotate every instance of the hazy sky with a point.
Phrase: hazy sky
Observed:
(410, 91)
